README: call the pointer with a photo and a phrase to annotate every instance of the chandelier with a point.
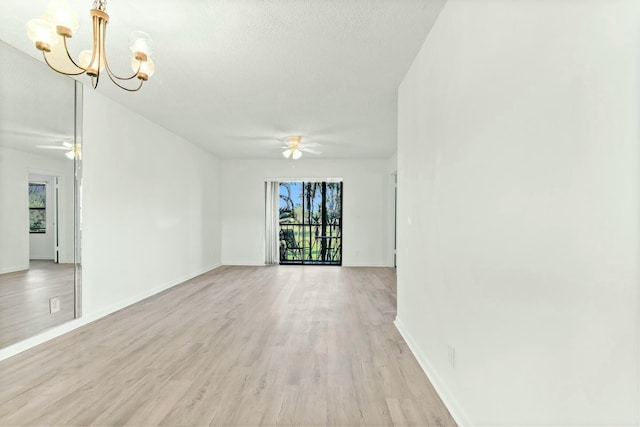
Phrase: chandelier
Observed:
(50, 34)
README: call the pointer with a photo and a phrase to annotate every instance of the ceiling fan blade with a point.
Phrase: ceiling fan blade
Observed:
(67, 144)
(310, 150)
(51, 136)
(310, 144)
(52, 147)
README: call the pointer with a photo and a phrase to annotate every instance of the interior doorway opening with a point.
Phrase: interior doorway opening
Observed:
(44, 239)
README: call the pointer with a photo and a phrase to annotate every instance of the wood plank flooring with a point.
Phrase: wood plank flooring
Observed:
(285, 345)
(24, 300)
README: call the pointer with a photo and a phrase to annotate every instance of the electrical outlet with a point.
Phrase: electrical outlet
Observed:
(54, 305)
(451, 356)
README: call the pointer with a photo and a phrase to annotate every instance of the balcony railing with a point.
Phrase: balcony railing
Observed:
(306, 244)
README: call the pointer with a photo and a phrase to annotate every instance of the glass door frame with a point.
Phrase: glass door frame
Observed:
(309, 243)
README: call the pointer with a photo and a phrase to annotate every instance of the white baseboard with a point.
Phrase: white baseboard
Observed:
(146, 294)
(231, 264)
(14, 269)
(87, 318)
(368, 265)
(448, 400)
(262, 264)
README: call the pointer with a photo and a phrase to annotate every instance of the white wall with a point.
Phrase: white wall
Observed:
(518, 220)
(365, 203)
(150, 207)
(15, 166)
(151, 212)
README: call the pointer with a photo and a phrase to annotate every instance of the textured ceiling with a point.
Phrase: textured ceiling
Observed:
(238, 76)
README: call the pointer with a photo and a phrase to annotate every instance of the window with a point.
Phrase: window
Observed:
(37, 207)
(311, 223)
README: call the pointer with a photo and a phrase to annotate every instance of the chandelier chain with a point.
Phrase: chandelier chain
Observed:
(100, 5)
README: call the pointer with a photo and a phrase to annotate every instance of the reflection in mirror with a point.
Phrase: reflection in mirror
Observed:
(39, 162)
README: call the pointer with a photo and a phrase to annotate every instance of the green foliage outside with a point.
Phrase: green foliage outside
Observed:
(37, 206)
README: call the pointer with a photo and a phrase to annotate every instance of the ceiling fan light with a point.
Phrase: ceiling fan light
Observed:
(294, 140)
(296, 154)
(286, 153)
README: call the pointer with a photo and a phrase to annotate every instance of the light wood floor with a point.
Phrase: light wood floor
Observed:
(24, 300)
(284, 345)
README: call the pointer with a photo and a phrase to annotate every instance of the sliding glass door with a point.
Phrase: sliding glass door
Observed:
(311, 223)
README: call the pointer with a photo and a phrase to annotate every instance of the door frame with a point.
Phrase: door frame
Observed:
(56, 183)
(325, 180)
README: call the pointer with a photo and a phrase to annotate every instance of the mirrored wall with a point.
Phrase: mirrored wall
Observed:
(40, 181)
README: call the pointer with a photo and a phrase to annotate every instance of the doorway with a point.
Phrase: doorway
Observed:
(310, 223)
(395, 219)
(43, 217)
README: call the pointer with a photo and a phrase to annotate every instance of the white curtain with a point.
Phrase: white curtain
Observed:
(272, 216)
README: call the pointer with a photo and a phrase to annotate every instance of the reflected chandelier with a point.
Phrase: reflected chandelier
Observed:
(50, 34)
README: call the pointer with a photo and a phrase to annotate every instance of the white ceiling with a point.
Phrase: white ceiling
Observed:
(237, 76)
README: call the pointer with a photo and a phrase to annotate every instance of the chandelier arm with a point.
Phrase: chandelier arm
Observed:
(114, 76)
(94, 79)
(96, 47)
(44, 55)
(123, 87)
(111, 74)
(100, 48)
(66, 49)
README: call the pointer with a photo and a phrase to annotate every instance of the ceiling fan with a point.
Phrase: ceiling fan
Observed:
(72, 150)
(295, 147)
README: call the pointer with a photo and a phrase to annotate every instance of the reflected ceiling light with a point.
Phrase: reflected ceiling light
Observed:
(73, 151)
(292, 147)
(50, 34)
